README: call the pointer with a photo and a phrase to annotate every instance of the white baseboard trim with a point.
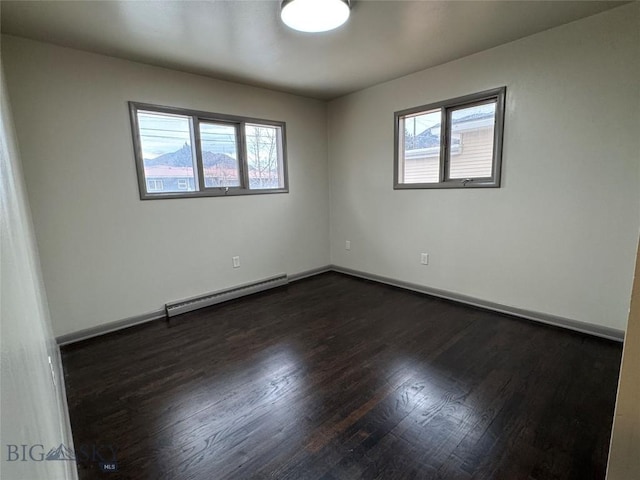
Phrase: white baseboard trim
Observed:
(576, 325)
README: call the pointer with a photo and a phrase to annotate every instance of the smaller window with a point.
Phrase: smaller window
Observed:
(452, 144)
(184, 153)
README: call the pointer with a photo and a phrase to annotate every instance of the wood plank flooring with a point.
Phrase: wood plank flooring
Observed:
(337, 378)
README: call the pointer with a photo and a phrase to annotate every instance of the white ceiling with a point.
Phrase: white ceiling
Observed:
(245, 41)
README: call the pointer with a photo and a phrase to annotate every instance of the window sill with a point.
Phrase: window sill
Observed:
(447, 185)
(216, 193)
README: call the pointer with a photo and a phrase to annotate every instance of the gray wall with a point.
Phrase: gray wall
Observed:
(106, 255)
(33, 406)
(560, 236)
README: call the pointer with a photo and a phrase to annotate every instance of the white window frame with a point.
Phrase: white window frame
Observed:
(446, 107)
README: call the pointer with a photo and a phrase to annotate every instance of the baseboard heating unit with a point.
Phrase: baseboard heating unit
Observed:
(208, 299)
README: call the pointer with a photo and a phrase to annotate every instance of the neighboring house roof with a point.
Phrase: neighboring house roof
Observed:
(168, 172)
(164, 171)
(431, 136)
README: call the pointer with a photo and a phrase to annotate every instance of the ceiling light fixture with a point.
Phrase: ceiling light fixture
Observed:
(314, 15)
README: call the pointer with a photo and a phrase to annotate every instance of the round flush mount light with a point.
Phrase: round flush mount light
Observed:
(314, 15)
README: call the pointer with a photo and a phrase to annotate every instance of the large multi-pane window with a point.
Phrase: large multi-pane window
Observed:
(184, 153)
(455, 143)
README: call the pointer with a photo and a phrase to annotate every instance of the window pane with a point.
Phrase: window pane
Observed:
(166, 151)
(420, 155)
(264, 156)
(471, 142)
(219, 155)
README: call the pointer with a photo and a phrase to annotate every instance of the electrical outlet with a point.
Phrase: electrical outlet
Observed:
(347, 245)
(236, 262)
(424, 258)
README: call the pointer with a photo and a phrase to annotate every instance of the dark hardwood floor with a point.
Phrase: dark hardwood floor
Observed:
(336, 378)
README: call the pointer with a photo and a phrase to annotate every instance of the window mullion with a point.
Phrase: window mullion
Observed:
(243, 156)
(198, 152)
(444, 144)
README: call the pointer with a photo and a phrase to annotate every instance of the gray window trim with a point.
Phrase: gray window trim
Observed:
(198, 116)
(446, 107)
